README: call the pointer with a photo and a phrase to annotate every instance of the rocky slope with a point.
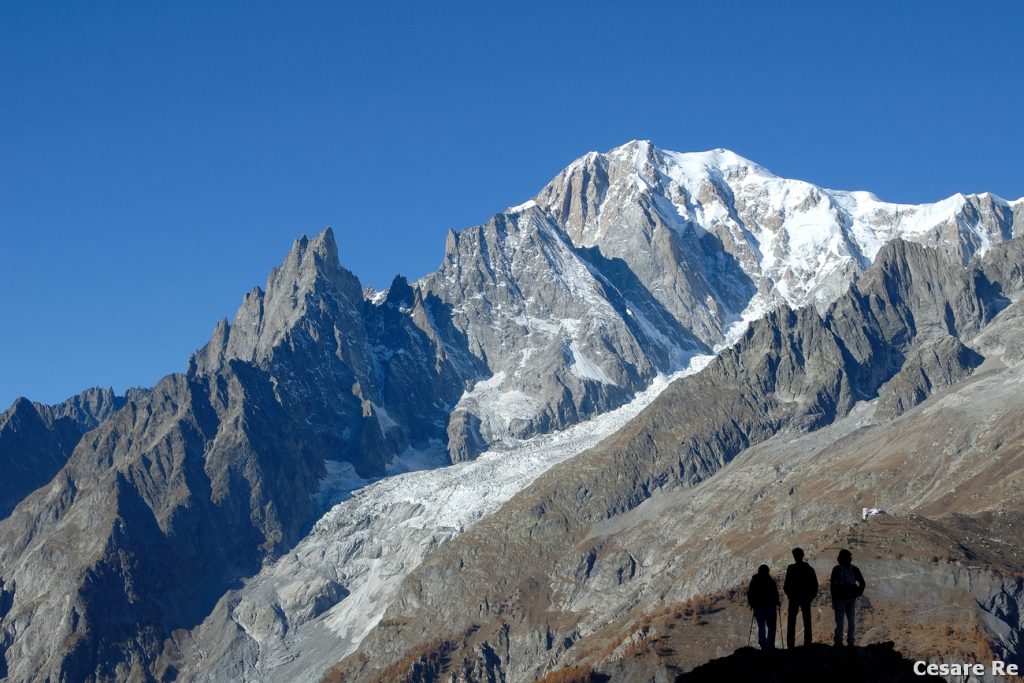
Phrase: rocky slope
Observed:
(944, 590)
(36, 439)
(640, 520)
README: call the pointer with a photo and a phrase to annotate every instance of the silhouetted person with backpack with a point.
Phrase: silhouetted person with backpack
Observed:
(801, 587)
(763, 598)
(847, 584)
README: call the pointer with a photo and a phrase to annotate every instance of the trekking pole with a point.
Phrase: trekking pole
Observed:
(750, 632)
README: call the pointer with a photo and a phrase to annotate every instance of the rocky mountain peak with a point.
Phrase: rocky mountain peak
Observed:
(400, 293)
(312, 262)
(21, 406)
(670, 254)
(785, 240)
(697, 165)
(310, 279)
(90, 407)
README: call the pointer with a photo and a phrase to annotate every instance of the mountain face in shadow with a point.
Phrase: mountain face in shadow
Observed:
(36, 439)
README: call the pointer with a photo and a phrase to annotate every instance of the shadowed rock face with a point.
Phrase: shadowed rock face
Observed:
(36, 440)
(937, 364)
(793, 372)
(367, 380)
(123, 545)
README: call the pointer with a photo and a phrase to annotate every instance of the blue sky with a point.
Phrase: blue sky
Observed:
(158, 158)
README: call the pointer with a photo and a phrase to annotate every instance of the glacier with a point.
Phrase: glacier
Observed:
(379, 532)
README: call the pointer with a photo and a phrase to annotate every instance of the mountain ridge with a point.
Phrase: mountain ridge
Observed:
(36, 439)
(523, 330)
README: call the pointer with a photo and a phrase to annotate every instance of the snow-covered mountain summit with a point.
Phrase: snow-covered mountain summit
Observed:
(799, 243)
(630, 262)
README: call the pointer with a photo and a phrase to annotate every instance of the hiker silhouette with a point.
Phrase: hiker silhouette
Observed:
(846, 585)
(763, 598)
(801, 587)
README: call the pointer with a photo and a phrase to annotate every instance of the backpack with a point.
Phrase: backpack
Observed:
(847, 582)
